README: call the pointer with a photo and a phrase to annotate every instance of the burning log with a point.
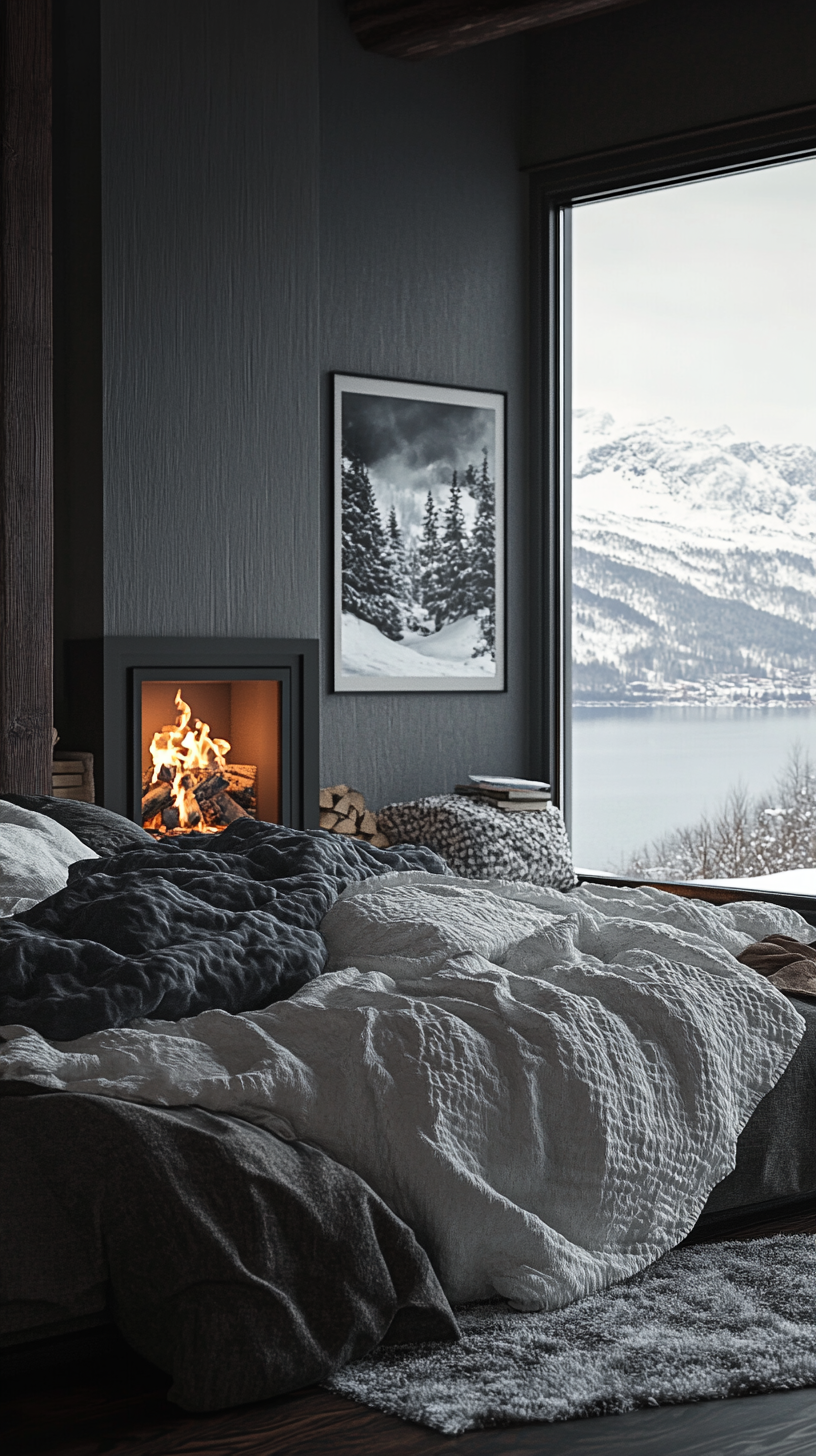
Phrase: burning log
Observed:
(242, 778)
(208, 787)
(228, 809)
(156, 798)
(189, 812)
(343, 811)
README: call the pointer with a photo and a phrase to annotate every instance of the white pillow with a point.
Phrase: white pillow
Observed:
(35, 855)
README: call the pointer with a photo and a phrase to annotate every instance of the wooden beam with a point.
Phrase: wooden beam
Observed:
(26, 470)
(419, 29)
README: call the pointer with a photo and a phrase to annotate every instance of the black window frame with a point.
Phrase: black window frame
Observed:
(555, 187)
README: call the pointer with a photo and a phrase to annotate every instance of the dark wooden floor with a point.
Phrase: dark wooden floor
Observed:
(119, 1408)
(127, 1415)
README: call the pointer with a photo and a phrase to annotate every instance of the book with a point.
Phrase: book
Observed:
(520, 804)
(486, 781)
(529, 807)
(512, 796)
(522, 796)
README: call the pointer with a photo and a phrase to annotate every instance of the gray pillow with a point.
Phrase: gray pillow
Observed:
(482, 843)
(101, 829)
(35, 856)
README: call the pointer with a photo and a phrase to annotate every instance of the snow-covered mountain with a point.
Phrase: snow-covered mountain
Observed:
(694, 564)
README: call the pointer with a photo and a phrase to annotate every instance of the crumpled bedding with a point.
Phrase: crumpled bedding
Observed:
(170, 929)
(242, 1265)
(776, 1150)
(36, 854)
(544, 1086)
(789, 965)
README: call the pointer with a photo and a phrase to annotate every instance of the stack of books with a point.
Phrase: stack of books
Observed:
(512, 796)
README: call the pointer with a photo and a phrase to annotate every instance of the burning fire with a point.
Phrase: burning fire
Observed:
(179, 750)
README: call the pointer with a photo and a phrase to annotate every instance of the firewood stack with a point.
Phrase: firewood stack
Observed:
(213, 798)
(343, 811)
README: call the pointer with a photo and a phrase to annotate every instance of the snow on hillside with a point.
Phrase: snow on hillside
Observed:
(694, 564)
(446, 653)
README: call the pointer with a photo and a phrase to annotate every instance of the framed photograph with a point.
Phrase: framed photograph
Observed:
(419, 520)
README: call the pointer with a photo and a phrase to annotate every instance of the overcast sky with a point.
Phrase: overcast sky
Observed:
(700, 302)
(413, 446)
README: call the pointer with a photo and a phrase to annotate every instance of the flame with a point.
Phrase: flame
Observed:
(180, 749)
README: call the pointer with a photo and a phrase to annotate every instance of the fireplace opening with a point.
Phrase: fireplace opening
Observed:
(210, 753)
(260, 695)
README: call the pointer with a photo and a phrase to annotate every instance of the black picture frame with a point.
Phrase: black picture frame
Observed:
(419, 537)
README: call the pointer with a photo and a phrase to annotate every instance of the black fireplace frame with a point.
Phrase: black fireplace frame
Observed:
(106, 674)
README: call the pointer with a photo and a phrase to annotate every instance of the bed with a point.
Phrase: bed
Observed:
(217, 1102)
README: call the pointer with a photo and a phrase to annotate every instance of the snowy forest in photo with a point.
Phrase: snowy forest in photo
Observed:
(418, 506)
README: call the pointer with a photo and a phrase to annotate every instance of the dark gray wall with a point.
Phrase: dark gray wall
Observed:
(422, 247)
(210, 284)
(226, 303)
(277, 203)
(665, 66)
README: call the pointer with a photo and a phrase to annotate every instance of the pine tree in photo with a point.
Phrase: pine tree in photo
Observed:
(430, 581)
(470, 482)
(414, 563)
(455, 558)
(399, 570)
(482, 578)
(368, 587)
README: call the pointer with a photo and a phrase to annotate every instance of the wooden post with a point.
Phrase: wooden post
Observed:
(26, 450)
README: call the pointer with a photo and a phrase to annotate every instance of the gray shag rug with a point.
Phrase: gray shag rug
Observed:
(703, 1323)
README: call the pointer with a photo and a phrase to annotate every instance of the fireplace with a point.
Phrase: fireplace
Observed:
(198, 732)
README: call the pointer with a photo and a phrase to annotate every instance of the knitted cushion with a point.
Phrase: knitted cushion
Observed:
(483, 843)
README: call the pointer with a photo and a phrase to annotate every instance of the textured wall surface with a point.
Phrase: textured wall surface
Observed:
(226, 304)
(210, 280)
(664, 67)
(422, 258)
(278, 203)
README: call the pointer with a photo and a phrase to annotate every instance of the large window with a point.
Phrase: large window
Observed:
(690, 502)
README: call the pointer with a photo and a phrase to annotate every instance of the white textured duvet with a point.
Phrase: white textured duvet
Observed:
(545, 1086)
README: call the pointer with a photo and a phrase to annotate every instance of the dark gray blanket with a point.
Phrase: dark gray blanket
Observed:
(776, 1151)
(174, 928)
(242, 1265)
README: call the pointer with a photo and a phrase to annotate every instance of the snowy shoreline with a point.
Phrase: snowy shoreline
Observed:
(665, 700)
(743, 690)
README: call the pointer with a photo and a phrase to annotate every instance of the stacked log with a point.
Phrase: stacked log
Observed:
(343, 811)
(213, 798)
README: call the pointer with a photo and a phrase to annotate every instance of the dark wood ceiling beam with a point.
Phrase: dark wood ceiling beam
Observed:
(416, 30)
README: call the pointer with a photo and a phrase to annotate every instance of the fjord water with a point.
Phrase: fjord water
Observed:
(640, 772)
